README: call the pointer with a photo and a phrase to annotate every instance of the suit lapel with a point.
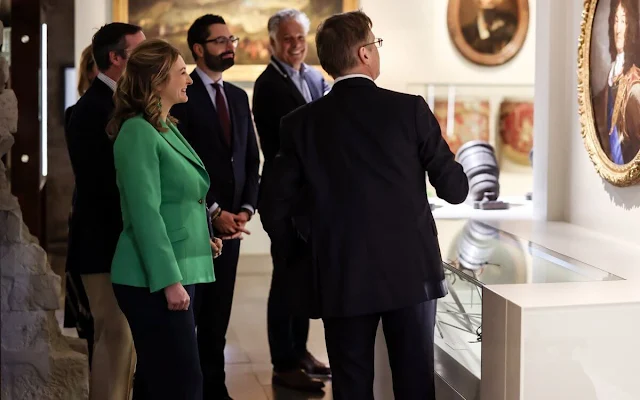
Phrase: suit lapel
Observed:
(186, 144)
(287, 79)
(201, 91)
(175, 140)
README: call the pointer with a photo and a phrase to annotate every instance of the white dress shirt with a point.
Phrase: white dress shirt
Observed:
(342, 78)
(208, 83)
(107, 81)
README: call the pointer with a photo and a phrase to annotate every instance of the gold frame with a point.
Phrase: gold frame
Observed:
(618, 175)
(239, 73)
(507, 53)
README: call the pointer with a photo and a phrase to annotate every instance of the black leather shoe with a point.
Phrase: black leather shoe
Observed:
(312, 366)
(297, 380)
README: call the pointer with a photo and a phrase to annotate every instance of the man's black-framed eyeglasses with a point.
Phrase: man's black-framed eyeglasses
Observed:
(377, 42)
(224, 40)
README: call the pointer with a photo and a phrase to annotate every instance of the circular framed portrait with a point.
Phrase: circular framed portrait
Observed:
(488, 32)
(609, 88)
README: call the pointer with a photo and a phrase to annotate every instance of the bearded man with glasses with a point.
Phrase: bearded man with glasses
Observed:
(217, 123)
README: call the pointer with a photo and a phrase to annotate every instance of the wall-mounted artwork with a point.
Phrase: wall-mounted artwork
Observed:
(488, 32)
(247, 19)
(462, 121)
(609, 88)
(516, 130)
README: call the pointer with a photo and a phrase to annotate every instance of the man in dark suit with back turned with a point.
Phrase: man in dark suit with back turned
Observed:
(96, 221)
(361, 152)
(217, 123)
(286, 84)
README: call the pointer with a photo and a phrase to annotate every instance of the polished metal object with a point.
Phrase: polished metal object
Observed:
(476, 245)
(481, 166)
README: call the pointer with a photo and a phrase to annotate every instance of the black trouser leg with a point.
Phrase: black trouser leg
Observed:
(287, 333)
(213, 310)
(165, 342)
(300, 334)
(350, 345)
(409, 336)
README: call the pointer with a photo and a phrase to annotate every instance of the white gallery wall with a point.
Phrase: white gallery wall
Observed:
(90, 15)
(417, 47)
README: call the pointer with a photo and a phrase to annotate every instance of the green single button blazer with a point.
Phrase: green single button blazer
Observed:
(163, 184)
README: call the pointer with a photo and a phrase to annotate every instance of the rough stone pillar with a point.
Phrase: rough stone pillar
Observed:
(37, 361)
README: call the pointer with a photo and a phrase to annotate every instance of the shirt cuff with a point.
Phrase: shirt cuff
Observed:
(249, 208)
(213, 208)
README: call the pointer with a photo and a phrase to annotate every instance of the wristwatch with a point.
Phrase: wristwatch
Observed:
(216, 214)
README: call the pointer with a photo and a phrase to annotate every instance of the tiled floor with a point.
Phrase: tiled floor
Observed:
(247, 353)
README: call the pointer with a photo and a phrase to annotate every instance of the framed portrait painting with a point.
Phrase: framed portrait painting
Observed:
(609, 88)
(488, 32)
(247, 19)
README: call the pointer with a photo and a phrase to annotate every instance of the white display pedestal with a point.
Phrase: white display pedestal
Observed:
(560, 315)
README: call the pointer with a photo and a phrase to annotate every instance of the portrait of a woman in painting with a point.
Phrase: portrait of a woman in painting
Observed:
(615, 79)
(488, 32)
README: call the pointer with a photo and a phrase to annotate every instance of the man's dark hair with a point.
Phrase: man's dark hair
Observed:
(111, 37)
(630, 34)
(336, 38)
(199, 30)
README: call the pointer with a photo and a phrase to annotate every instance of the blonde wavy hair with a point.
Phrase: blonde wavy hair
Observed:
(88, 70)
(147, 69)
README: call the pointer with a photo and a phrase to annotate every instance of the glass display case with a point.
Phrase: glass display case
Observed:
(476, 255)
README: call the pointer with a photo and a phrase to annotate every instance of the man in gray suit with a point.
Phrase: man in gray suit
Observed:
(286, 84)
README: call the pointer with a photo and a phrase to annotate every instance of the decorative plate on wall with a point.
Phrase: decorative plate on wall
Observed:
(609, 88)
(488, 32)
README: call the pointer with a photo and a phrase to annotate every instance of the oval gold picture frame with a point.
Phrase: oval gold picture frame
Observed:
(619, 175)
(506, 53)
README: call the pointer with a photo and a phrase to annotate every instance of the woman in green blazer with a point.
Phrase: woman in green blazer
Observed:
(164, 248)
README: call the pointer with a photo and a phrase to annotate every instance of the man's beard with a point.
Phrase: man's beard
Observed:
(217, 63)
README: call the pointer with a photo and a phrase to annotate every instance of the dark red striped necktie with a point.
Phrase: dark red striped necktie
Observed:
(223, 113)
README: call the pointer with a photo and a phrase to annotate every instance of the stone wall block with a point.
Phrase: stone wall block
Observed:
(9, 110)
(10, 226)
(26, 258)
(22, 330)
(6, 284)
(35, 292)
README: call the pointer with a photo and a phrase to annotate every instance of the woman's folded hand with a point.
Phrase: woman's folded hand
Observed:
(216, 246)
(177, 297)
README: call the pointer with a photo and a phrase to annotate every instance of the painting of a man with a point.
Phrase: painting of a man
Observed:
(615, 79)
(492, 25)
